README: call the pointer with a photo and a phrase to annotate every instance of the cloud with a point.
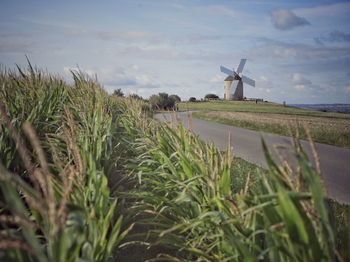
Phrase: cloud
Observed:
(11, 42)
(300, 82)
(270, 48)
(16, 47)
(218, 78)
(200, 38)
(330, 10)
(222, 10)
(299, 87)
(264, 84)
(298, 79)
(347, 89)
(79, 31)
(126, 36)
(118, 77)
(284, 19)
(334, 36)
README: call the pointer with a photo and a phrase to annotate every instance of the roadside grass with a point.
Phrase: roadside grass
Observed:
(329, 131)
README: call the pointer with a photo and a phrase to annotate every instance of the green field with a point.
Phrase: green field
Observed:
(87, 176)
(261, 107)
(325, 127)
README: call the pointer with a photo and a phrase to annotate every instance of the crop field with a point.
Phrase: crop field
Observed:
(87, 176)
(326, 127)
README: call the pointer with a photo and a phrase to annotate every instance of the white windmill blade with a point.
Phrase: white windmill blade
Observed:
(241, 66)
(226, 70)
(248, 81)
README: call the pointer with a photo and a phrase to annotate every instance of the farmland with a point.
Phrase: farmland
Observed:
(326, 127)
(87, 176)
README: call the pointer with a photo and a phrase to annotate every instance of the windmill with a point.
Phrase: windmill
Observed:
(235, 81)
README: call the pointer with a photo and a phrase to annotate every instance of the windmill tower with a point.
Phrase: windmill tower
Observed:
(234, 81)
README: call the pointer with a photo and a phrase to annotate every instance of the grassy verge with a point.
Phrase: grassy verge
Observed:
(323, 130)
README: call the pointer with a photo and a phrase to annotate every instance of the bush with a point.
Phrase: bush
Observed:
(192, 99)
(211, 97)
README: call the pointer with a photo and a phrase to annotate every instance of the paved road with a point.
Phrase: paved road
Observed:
(334, 161)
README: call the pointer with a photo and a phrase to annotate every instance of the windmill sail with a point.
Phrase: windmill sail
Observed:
(226, 70)
(248, 81)
(241, 66)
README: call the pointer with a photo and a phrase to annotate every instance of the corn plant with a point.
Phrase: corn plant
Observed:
(183, 198)
(56, 146)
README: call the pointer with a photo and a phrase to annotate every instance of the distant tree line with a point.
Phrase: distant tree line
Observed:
(163, 101)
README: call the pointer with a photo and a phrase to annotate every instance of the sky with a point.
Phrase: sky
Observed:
(297, 51)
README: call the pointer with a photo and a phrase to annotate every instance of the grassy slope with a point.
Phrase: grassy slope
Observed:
(330, 135)
(265, 107)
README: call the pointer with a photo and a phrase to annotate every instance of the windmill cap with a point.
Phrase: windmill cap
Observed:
(229, 78)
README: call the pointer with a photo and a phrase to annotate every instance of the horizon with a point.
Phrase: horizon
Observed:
(297, 51)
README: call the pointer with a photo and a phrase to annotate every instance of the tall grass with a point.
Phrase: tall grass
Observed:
(56, 147)
(183, 197)
(70, 152)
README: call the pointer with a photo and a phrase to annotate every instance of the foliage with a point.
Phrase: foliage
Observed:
(162, 101)
(135, 96)
(340, 214)
(57, 147)
(63, 147)
(118, 92)
(192, 99)
(176, 98)
(211, 97)
(183, 198)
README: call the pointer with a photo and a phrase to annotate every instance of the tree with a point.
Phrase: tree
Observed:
(135, 96)
(211, 97)
(154, 100)
(192, 99)
(162, 101)
(176, 98)
(118, 92)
